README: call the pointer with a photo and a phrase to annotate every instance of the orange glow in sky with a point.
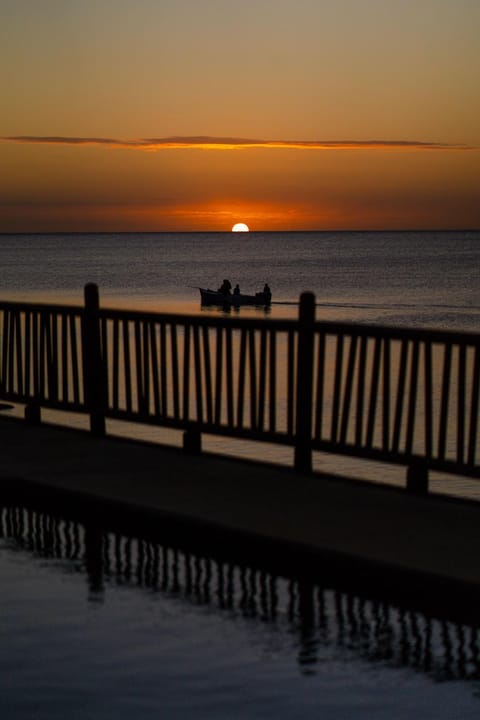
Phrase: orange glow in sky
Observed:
(325, 116)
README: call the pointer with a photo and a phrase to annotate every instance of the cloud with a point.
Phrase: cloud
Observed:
(205, 142)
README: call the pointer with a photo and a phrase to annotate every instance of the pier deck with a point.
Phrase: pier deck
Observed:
(426, 544)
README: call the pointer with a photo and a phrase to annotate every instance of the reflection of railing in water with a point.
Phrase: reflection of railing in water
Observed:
(409, 397)
(320, 617)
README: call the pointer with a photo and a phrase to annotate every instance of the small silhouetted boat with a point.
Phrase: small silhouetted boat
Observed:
(213, 297)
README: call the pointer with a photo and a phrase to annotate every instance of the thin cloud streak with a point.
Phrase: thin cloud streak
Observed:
(204, 142)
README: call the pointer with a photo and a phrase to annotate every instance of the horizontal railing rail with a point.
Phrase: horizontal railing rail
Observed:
(402, 396)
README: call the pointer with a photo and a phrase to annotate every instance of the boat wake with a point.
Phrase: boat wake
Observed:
(382, 306)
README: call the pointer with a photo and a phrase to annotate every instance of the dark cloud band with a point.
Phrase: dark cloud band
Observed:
(202, 142)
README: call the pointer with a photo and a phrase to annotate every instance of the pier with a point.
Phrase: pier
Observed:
(421, 549)
(343, 389)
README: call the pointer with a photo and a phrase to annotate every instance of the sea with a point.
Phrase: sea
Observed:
(422, 279)
(171, 631)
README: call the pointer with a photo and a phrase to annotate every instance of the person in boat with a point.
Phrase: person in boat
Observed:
(225, 288)
(236, 290)
(267, 292)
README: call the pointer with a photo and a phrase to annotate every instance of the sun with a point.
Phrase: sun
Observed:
(240, 227)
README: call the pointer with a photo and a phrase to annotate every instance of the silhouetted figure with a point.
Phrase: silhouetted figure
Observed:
(225, 287)
(267, 292)
(236, 290)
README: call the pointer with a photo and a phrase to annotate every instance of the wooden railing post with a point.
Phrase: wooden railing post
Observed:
(417, 478)
(192, 440)
(92, 358)
(33, 413)
(304, 386)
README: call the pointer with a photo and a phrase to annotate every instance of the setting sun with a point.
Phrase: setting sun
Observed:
(240, 227)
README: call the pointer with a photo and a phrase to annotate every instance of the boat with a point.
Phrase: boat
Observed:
(213, 297)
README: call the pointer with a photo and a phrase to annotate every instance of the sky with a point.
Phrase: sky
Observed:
(192, 115)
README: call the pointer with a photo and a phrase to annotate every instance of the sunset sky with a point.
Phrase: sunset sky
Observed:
(155, 115)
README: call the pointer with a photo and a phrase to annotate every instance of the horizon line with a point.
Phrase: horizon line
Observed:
(192, 232)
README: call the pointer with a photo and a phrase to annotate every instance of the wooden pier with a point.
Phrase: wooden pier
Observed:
(393, 395)
(421, 549)
(406, 397)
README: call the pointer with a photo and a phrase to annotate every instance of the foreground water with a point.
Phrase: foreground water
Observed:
(103, 624)
(141, 628)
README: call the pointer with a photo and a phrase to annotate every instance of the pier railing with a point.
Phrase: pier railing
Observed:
(409, 397)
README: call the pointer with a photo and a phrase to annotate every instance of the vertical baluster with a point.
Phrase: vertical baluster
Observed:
(428, 399)
(402, 379)
(241, 377)
(207, 366)
(75, 363)
(64, 356)
(272, 381)
(175, 371)
(320, 387)
(48, 354)
(291, 398)
(262, 382)
(362, 371)
(347, 396)
(28, 351)
(253, 380)
(36, 347)
(146, 367)
(472, 442)
(412, 399)
(337, 387)
(115, 363)
(155, 369)
(163, 370)
(19, 353)
(11, 353)
(41, 364)
(462, 370)
(373, 392)
(54, 365)
(4, 345)
(4, 366)
(186, 372)
(386, 394)
(105, 361)
(6, 351)
(127, 366)
(218, 375)
(138, 351)
(198, 373)
(442, 432)
(229, 373)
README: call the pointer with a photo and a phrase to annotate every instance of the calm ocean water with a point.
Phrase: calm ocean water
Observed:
(408, 279)
(174, 633)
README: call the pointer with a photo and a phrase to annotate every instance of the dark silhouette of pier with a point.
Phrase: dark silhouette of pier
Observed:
(421, 548)
(406, 397)
(310, 612)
